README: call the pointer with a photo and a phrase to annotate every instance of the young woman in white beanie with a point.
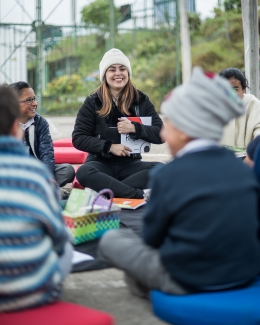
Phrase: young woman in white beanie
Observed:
(100, 123)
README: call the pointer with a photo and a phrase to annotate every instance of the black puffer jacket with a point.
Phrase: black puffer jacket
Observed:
(95, 134)
(43, 145)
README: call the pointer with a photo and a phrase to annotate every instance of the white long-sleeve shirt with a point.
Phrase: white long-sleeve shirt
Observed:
(240, 131)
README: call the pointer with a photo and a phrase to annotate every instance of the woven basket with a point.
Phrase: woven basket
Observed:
(94, 224)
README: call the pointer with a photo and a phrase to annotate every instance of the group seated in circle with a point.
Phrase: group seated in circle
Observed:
(201, 203)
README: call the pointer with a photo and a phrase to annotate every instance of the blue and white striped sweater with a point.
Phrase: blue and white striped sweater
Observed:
(32, 231)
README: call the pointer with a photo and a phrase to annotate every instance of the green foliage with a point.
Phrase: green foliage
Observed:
(232, 5)
(58, 107)
(97, 14)
(217, 43)
(194, 21)
(65, 85)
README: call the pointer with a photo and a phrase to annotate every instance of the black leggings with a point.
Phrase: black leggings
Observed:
(126, 179)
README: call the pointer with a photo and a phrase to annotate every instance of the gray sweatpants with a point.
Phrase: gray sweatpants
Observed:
(64, 173)
(65, 260)
(144, 271)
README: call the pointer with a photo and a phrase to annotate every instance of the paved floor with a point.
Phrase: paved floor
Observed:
(105, 289)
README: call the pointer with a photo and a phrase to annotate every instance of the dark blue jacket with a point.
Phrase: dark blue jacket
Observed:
(203, 218)
(43, 145)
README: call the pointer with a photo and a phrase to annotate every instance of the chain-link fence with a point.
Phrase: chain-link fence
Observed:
(61, 60)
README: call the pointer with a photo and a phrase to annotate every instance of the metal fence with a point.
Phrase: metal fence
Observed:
(60, 61)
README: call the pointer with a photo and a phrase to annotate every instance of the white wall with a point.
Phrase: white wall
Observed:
(15, 67)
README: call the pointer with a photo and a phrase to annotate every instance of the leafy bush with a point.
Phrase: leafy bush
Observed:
(65, 85)
(217, 43)
(57, 107)
(97, 13)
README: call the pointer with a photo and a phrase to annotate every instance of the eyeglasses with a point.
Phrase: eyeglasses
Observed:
(29, 101)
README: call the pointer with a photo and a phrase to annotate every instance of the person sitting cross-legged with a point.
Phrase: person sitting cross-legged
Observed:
(102, 121)
(37, 136)
(201, 226)
(35, 253)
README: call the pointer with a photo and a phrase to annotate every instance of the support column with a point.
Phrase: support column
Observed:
(185, 43)
(112, 24)
(39, 53)
(177, 42)
(251, 44)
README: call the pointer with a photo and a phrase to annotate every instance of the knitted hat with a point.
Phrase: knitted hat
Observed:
(113, 56)
(202, 106)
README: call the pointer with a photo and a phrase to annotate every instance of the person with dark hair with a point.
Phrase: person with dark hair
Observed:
(37, 136)
(201, 225)
(100, 123)
(35, 251)
(241, 131)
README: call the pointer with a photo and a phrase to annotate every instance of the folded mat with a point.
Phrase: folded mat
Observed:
(129, 219)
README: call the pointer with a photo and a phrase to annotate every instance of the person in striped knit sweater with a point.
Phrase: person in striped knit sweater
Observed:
(35, 253)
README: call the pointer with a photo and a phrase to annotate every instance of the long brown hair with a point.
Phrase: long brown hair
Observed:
(127, 96)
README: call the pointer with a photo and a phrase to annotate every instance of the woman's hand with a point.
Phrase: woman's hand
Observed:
(120, 150)
(124, 126)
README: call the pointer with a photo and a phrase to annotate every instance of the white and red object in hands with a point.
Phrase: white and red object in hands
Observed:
(137, 146)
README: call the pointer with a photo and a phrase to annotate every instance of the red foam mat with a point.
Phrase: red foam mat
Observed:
(65, 142)
(69, 155)
(59, 313)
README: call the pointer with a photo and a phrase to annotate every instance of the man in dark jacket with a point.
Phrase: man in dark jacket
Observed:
(201, 227)
(37, 136)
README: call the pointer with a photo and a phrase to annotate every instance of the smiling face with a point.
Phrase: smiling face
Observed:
(116, 77)
(27, 110)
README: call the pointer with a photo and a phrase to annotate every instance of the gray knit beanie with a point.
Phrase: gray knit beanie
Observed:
(113, 56)
(202, 106)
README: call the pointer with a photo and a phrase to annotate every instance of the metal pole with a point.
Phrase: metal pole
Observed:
(134, 30)
(251, 43)
(177, 40)
(145, 14)
(185, 43)
(112, 24)
(228, 34)
(39, 52)
(73, 16)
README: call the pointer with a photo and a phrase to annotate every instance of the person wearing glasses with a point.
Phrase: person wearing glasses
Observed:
(37, 137)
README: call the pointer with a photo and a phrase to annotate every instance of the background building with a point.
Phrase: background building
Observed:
(165, 10)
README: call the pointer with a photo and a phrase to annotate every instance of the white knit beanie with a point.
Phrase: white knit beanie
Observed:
(202, 106)
(113, 56)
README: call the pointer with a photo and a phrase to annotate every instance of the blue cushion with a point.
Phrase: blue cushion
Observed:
(236, 307)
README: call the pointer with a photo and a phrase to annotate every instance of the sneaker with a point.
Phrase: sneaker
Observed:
(147, 193)
(65, 194)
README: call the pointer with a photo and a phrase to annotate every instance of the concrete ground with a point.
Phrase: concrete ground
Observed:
(105, 289)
